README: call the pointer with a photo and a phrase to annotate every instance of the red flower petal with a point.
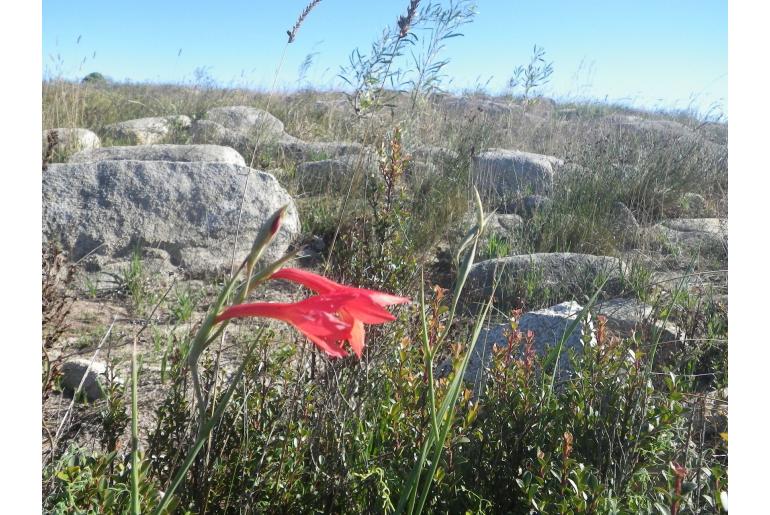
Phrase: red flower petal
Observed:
(315, 282)
(319, 326)
(356, 306)
(320, 284)
(357, 333)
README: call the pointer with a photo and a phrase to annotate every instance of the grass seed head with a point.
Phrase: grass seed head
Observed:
(301, 19)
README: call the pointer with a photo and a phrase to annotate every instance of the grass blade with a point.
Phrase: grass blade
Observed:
(135, 504)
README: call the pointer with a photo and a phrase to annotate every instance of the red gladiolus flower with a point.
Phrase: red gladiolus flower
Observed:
(356, 306)
(313, 317)
(338, 313)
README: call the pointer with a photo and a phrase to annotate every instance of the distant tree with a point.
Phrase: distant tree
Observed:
(94, 78)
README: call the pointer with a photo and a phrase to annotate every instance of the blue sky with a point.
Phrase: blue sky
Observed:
(650, 53)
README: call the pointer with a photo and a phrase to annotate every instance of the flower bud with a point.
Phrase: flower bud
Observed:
(265, 236)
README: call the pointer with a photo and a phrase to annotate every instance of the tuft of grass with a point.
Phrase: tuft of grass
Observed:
(185, 301)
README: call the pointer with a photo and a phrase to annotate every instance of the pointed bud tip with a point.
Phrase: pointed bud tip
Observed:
(276, 225)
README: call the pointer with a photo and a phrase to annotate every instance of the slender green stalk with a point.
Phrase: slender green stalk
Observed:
(135, 505)
(450, 405)
(414, 476)
(203, 435)
(441, 422)
(198, 344)
(428, 356)
(410, 491)
(465, 270)
(135, 462)
(201, 341)
(204, 335)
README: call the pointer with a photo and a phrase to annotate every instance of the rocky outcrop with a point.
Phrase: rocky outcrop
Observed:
(626, 317)
(179, 153)
(502, 174)
(92, 375)
(635, 131)
(435, 155)
(528, 205)
(246, 120)
(241, 127)
(197, 212)
(623, 226)
(297, 150)
(147, 131)
(562, 274)
(503, 225)
(550, 330)
(319, 176)
(62, 142)
(685, 237)
(470, 106)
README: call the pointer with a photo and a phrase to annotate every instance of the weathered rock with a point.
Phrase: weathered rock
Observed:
(710, 225)
(549, 326)
(504, 225)
(66, 141)
(298, 150)
(156, 271)
(147, 131)
(623, 217)
(501, 235)
(623, 226)
(561, 274)
(500, 173)
(567, 168)
(692, 205)
(208, 132)
(688, 236)
(568, 113)
(635, 125)
(680, 280)
(181, 153)
(246, 120)
(435, 155)
(341, 105)
(95, 377)
(528, 205)
(537, 123)
(320, 176)
(668, 133)
(202, 262)
(628, 316)
(194, 211)
(540, 106)
(241, 127)
(418, 171)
